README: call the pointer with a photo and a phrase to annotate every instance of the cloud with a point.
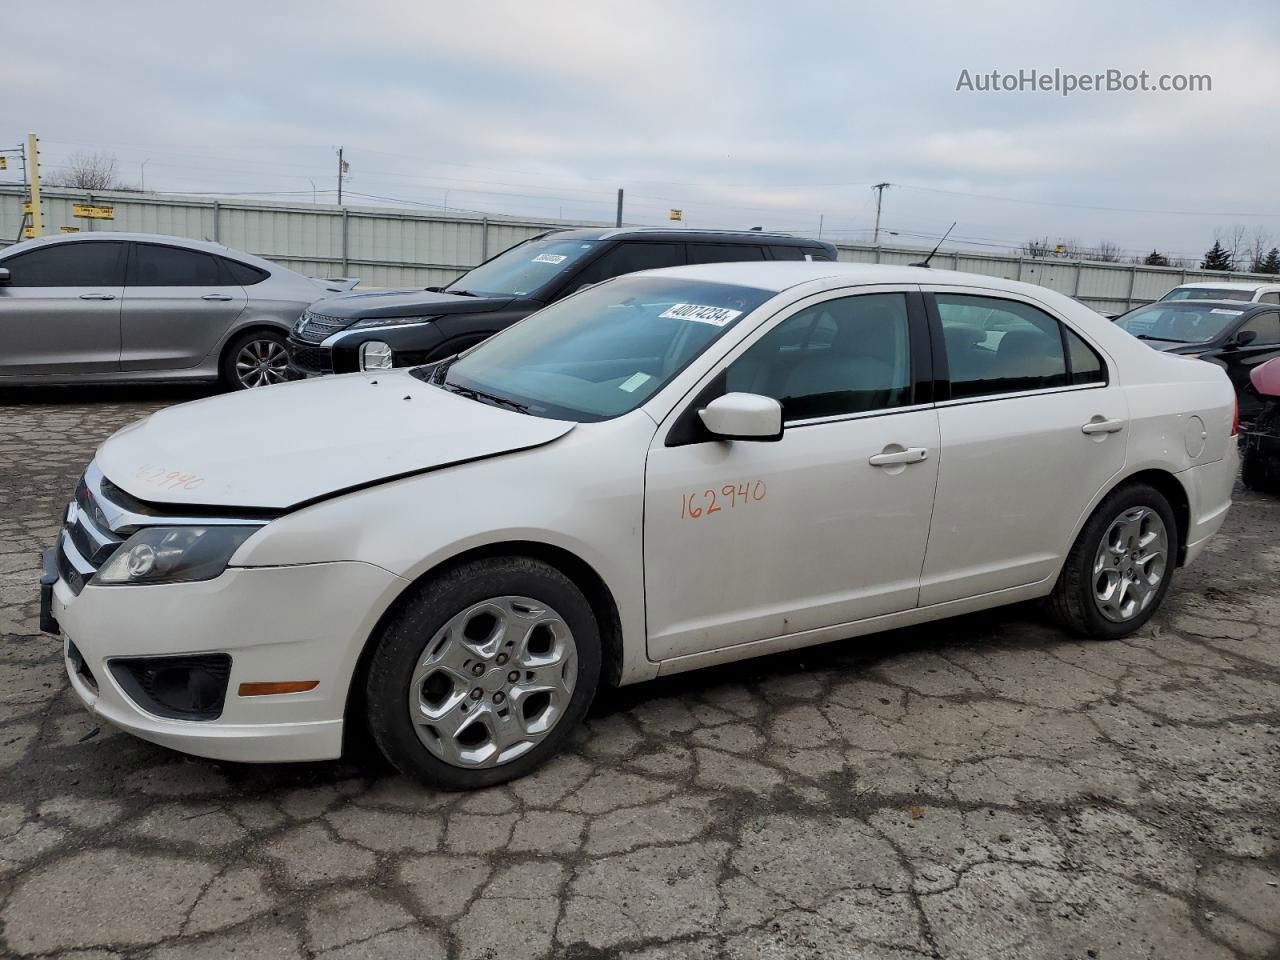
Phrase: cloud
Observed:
(740, 113)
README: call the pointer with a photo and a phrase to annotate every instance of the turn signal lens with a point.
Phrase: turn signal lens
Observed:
(271, 689)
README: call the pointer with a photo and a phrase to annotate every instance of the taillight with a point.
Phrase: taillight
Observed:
(1235, 422)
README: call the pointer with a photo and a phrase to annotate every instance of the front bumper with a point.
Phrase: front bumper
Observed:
(411, 345)
(306, 622)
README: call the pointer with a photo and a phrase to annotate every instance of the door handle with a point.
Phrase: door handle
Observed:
(215, 296)
(909, 455)
(1099, 425)
(97, 296)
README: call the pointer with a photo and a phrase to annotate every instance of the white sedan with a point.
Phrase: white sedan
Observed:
(668, 470)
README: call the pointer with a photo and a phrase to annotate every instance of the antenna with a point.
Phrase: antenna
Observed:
(925, 261)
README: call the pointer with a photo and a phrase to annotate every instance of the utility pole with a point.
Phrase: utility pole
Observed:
(820, 226)
(37, 216)
(618, 220)
(879, 189)
(342, 168)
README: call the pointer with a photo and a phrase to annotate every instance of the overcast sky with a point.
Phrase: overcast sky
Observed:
(742, 113)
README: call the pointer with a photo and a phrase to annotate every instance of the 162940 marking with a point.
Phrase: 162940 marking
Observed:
(728, 497)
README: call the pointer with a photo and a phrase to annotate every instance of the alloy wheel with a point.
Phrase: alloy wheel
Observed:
(493, 682)
(261, 363)
(1130, 564)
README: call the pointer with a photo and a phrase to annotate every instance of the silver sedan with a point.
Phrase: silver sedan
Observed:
(129, 307)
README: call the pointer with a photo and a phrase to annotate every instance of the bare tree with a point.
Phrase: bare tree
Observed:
(1106, 251)
(1234, 241)
(89, 171)
(1259, 244)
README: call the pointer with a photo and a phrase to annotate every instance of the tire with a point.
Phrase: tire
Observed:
(1255, 475)
(444, 669)
(1077, 598)
(263, 348)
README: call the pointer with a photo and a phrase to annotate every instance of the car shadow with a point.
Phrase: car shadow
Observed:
(1014, 626)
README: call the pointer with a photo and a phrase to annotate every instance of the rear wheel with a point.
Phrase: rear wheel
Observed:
(1120, 567)
(256, 359)
(484, 673)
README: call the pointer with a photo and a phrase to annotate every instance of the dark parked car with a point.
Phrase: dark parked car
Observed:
(1237, 336)
(1260, 460)
(402, 328)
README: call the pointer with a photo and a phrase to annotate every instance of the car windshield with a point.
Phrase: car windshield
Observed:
(602, 352)
(524, 269)
(1179, 323)
(1208, 293)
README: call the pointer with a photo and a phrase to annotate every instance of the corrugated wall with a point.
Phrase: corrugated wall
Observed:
(404, 248)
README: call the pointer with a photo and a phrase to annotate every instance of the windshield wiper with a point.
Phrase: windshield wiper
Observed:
(1147, 336)
(481, 397)
(460, 292)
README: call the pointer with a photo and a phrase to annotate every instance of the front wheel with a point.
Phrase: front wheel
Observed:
(256, 359)
(484, 673)
(1120, 567)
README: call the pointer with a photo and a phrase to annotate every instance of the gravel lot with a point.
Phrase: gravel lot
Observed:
(985, 787)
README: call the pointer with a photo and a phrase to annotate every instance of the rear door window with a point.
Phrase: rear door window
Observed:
(629, 257)
(1267, 327)
(153, 265)
(242, 273)
(82, 263)
(780, 252)
(724, 252)
(997, 346)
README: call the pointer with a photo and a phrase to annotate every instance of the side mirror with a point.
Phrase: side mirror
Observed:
(5, 278)
(743, 416)
(1244, 338)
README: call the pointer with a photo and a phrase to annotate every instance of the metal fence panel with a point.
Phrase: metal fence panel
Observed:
(407, 248)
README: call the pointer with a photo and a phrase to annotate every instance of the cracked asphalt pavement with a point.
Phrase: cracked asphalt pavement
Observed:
(980, 788)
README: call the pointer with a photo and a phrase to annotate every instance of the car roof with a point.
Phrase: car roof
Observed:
(680, 233)
(207, 246)
(779, 275)
(1242, 306)
(1228, 285)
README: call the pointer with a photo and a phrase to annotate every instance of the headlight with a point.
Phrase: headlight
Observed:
(375, 355)
(173, 554)
(387, 322)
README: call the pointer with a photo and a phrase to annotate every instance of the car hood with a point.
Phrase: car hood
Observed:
(279, 447)
(403, 303)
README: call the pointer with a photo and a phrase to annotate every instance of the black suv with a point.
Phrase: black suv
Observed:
(403, 328)
(1236, 336)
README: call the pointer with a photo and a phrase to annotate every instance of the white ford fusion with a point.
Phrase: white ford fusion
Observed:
(668, 470)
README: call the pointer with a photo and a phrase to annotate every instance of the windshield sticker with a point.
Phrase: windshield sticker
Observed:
(1229, 313)
(716, 316)
(549, 258)
(634, 382)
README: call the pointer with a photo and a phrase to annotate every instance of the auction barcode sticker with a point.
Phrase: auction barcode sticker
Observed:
(716, 316)
(549, 258)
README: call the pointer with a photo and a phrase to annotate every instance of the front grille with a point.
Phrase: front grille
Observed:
(87, 540)
(315, 327)
(311, 359)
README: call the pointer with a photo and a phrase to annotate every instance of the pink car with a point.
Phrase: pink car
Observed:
(1261, 456)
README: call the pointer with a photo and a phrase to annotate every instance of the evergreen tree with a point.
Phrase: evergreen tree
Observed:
(1271, 262)
(1217, 258)
(1156, 259)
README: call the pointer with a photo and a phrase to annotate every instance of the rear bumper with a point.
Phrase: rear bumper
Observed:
(277, 623)
(1208, 488)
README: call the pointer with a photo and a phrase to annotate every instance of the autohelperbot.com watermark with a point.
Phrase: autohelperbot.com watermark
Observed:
(1066, 83)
